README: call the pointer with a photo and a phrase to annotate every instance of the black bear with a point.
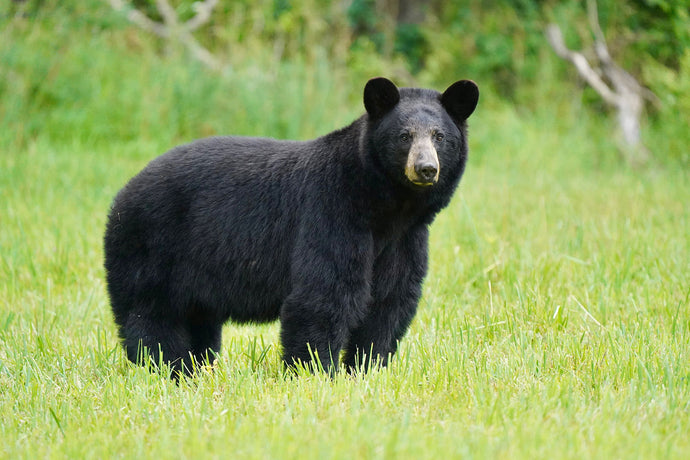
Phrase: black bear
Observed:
(328, 235)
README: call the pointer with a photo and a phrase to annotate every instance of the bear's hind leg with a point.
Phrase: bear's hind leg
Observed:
(205, 340)
(160, 340)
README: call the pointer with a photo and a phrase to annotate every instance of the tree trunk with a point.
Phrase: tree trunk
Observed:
(623, 92)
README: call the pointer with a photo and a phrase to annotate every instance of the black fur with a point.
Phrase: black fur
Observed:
(328, 235)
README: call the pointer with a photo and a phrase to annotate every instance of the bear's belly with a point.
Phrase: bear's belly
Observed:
(241, 292)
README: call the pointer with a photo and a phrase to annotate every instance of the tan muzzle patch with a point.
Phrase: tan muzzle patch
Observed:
(422, 152)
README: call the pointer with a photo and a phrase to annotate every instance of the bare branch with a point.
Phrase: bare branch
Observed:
(555, 37)
(200, 53)
(203, 14)
(140, 19)
(619, 88)
(171, 28)
(600, 47)
(168, 13)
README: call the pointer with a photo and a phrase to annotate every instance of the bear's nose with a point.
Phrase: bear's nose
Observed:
(426, 171)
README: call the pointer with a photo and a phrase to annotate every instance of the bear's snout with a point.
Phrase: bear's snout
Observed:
(422, 162)
(426, 171)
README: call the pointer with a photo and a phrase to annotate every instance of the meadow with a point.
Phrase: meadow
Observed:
(554, 321)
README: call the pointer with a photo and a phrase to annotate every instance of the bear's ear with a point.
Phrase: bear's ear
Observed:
(460, 99)
(380, 96)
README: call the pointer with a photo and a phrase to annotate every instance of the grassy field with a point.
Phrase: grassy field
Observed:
(554, 322)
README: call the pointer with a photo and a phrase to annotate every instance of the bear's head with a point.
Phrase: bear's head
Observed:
(418, 136)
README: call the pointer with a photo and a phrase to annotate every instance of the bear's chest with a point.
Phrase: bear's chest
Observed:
(390, 226)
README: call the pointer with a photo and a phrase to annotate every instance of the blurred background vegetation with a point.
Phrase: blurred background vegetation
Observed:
(79, 72)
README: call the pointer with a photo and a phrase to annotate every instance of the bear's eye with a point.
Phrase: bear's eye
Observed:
(439, 136)
(405, 137)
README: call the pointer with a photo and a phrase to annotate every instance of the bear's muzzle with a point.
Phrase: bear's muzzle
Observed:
(422, 166)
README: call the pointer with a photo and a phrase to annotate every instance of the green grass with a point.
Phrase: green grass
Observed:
(554, 323)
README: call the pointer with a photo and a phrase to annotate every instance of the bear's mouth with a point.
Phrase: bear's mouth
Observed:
(423, 184)
(419, 180)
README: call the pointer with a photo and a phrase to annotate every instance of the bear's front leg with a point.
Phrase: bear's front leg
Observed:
(397, 287)
(331, 290)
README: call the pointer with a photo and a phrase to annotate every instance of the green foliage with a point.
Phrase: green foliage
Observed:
(411, 43)
(45, 90)
(362, 16)
(65, 90)
(666, 26)
(673, 90)
(489, 41)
